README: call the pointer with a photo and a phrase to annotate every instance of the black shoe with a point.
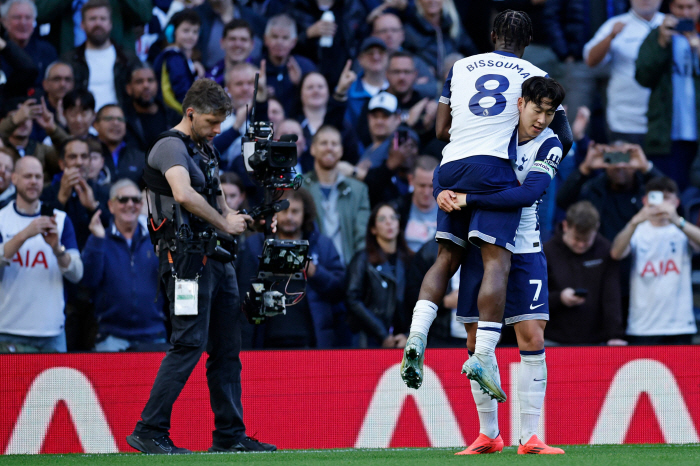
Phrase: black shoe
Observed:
(155, 446)
(247, 444)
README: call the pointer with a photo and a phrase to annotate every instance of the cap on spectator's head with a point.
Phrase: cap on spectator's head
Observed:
(372, 42)
(384, 101)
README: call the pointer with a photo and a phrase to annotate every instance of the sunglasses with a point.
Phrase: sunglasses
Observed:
(125, 199)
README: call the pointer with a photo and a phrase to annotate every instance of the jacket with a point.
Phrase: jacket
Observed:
(124, 280)
(122, 65)
(374, 308)
(174, 77)
(599, 318)
(24, 72)
(135, 135)
(324, 291)
(130, 163)
(42, 54)
(126, 14)
(655, 71)
(353, 209)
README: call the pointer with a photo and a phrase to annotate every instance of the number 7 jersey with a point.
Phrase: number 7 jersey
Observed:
(482, 92)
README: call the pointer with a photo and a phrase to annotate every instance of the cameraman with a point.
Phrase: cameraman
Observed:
(173, 176)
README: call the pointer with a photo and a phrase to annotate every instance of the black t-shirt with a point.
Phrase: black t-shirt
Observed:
(153, 125)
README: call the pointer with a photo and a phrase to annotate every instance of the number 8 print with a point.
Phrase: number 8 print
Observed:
(499, 106)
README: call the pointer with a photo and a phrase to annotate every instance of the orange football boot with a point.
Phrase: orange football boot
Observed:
(535, 446)
(483, 444)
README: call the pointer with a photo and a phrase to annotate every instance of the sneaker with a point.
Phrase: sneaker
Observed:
(483, 445)
(484, 373)
(247, 444)
(535, 446)
(412, 362)
(155, 446)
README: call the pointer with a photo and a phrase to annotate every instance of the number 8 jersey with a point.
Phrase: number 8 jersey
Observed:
(482, 92)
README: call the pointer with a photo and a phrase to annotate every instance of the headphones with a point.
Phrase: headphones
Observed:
(170, 34)
(190, 115)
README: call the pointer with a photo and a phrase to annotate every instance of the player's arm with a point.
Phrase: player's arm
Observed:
(560, 126)
(538, 178)
(443, 118)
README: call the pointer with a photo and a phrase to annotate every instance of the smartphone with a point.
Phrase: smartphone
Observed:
(581, 292)
(685, 25)
(616, 157)
(46, 211)
(655, 197)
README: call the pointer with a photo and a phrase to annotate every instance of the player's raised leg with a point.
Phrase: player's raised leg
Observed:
(532, 385)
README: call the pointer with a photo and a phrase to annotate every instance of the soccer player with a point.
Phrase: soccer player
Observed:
(478, 114)
(539, 152)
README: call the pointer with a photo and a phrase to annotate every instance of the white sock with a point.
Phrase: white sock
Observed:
(487, 336)
(487, 408)
(532, 384)
(424, 314)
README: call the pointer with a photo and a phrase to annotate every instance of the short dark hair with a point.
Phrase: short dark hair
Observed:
(325, 128)
(514, 27)
(238, 24)
(207, 97)
(139, 65)
(583, 217)
(401, 54)
(538, 88)
(94, 145)
(663, 184)
(79, 97)
(92, 4)
(62, 154)
(232, 178)
(187, 15)
(307, 199)
(106, 107)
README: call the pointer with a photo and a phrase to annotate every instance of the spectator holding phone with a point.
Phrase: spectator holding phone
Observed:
(612, 178)
(668, 64)
(661, 244)
(585, 307)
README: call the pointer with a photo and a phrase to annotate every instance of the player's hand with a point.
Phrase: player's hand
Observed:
(237, 223)
(594, 159)
(616, 342)
(447, 201)
(96, 227)
(569, 299)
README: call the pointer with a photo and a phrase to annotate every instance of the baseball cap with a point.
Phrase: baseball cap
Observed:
(372, 42)
(384, 101)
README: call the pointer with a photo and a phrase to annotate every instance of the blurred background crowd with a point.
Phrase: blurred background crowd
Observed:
(87, 85)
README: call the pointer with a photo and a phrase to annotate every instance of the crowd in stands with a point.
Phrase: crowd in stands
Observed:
(87, 85)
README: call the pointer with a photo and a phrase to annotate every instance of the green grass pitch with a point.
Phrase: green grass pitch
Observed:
(608, 455)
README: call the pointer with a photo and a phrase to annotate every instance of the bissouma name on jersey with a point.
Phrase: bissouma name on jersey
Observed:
(498, 64)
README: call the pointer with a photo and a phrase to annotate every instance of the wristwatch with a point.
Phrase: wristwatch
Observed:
(61, 251)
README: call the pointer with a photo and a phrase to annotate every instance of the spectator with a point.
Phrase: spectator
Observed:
(343, 203)
(617, 42)
(233, 190)
(146, 115)
(275, 111)
(616, 193)
(319, 108)
(100, 65)
(65, 19)
(668, 65)
(72, 193)
(18, 83)
(433, 31)
(377, 283)
(389, 28)
(58, 81)
(416, 111)
(79, 112)
(418, 209)
(16, 129)
(383, 120)
(293, 127)
(36, 252)
(122, 270)
(7, 189)
(122, 160)
(311, 323)
(237, 42)
(661, 294)
(97, 170)
(347, 29)
(284, 70)
(371, 80)
(585, 306)
(19, 17)
(174, 67)
(215, 14)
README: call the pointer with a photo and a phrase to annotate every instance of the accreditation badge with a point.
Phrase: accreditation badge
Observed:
(186, 297)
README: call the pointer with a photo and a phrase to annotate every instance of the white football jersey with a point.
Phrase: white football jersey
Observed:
(541, 154)
(482, 92)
